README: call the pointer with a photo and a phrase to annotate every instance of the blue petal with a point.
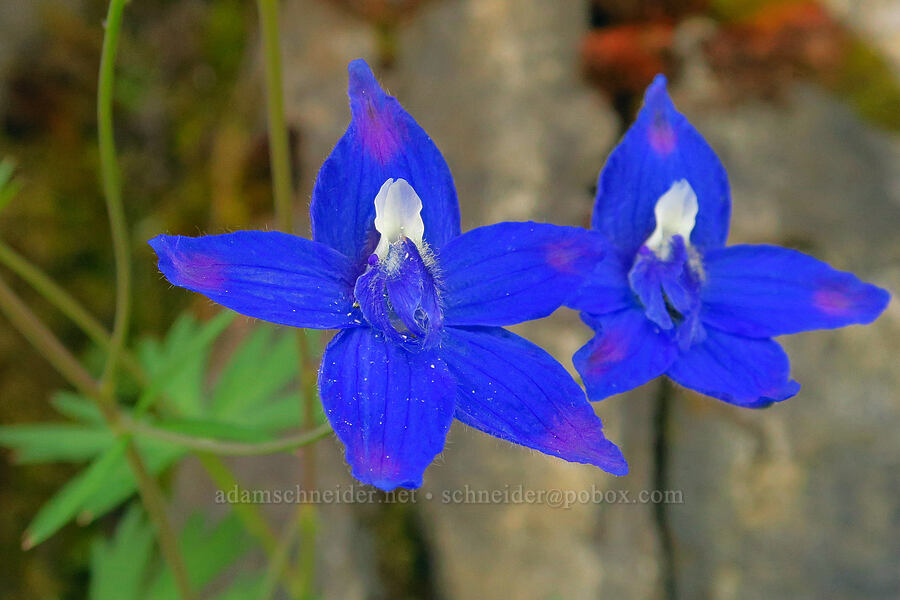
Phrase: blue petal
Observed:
(764, 291)
(747, 372)
(513, 272)
(606, 289)
(391, 408)
(511, 389)
(660, 148)
(382, 142)
(269, 275)
(628, 350)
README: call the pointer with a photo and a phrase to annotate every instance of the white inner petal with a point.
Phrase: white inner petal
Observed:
(676, 212)
(397, 215)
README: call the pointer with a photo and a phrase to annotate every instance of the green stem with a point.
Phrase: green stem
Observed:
(229, 448)
(279, 148)
(63, 301)
(49, 345)
(279, 561)
(46, 343)
(112, 191)
(252, 519)
(307, 515)
(155, 503)
(279, 154)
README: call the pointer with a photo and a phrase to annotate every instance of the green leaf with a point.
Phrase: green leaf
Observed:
(275, 415)
(120, 483)
(264, 365)
(183, 386)
(76, 407)
(207, 553)
(183, 346)
(119, 567)
(55, 442)
(63, 506)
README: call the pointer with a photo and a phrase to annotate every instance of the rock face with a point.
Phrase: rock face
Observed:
(793, 502)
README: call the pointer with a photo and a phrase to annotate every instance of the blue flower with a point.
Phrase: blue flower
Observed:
(419, 307)
(670, 297)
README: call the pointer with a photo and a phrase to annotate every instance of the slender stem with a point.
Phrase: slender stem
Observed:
(279, 561)
(68, 366)
(279, 148)
(662, 424)
(43, 339)
(63, 301)
(155, 503)
(112, 191)
(225, 447)
(308, 520)
(252, 519)
(307, 515)
(248, 513)
(55, 294)
(279, 153)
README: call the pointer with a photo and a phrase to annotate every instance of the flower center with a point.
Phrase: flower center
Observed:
(667, 272)
(398, 293)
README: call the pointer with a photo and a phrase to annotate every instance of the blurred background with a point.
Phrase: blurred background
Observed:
(525, 98)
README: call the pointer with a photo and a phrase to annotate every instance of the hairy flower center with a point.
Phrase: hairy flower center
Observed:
(398, 293)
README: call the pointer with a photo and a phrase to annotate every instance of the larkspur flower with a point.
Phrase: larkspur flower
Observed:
(419, 307)
(670, 297)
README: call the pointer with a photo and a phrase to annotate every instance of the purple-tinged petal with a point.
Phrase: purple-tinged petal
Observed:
(511, 389)
(512, 272)
(268, 275)
(764, 291)
(748, 372)
(628, 350)
(391, 408)
(606, 289)
(660, 148)
(382, 142)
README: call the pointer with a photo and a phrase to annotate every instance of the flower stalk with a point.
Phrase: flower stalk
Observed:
(112, 191)
(279, 148)
(105, 394)
(279, 155)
